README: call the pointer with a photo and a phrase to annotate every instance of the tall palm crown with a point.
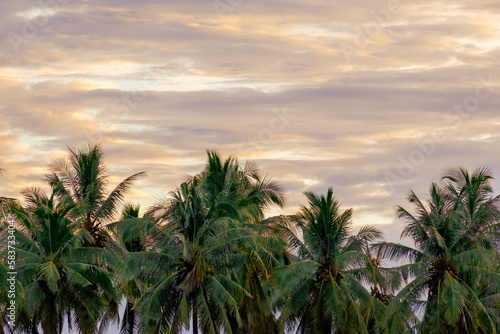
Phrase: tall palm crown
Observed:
(454, 260)
(60, 279)
(267, 252)
(320, 293)
(479, 211)
(82, 175)
(204, 217)
(133, 237)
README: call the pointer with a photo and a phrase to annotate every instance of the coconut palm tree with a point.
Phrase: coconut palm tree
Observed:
(82, 176)
(319, 293)
(59, 278)
(196, 285)
(135, 238)
(479, 211)
(132, 288)
(382, 282)
(454, 264)
(266, 253)
(205, 219)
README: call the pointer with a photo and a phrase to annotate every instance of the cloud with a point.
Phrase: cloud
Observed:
(159, 82)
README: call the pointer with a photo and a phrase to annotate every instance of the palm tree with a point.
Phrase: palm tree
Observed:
(264, 255)
(132, 288)
(83, 177)
(191, 287)
(320, 295)
(479, 211)
(135, 236)
(382, 282)
(59, 278)
(453, 263)
(204, 218)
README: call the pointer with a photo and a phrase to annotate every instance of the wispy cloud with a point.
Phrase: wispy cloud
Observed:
(159, 82)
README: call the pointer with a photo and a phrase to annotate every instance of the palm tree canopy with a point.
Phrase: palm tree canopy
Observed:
(82, 176)
(60, 278)
(455, 261)
(205, 258)
(321, 294)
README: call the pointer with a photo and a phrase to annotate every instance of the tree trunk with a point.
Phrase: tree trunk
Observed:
(130, 314)
(49, 325)
(195, 322)
(49, 321)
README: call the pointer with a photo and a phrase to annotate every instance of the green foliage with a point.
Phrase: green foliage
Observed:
(205, 258)
(59, 277)
(455, 260)
(82, 178)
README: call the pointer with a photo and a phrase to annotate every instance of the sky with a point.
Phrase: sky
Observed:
(370, 97)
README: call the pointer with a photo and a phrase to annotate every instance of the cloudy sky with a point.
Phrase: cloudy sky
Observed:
(370, 97)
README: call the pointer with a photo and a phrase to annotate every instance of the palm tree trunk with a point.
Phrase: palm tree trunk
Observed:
(130, 317)
(49, 326)
(49, 321)
(195, 322)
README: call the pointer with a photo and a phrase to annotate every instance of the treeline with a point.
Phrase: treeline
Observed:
(205, 258)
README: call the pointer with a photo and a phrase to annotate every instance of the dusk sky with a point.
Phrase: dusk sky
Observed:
(370, 97)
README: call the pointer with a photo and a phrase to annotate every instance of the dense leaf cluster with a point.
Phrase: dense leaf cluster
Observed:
(206, 259)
